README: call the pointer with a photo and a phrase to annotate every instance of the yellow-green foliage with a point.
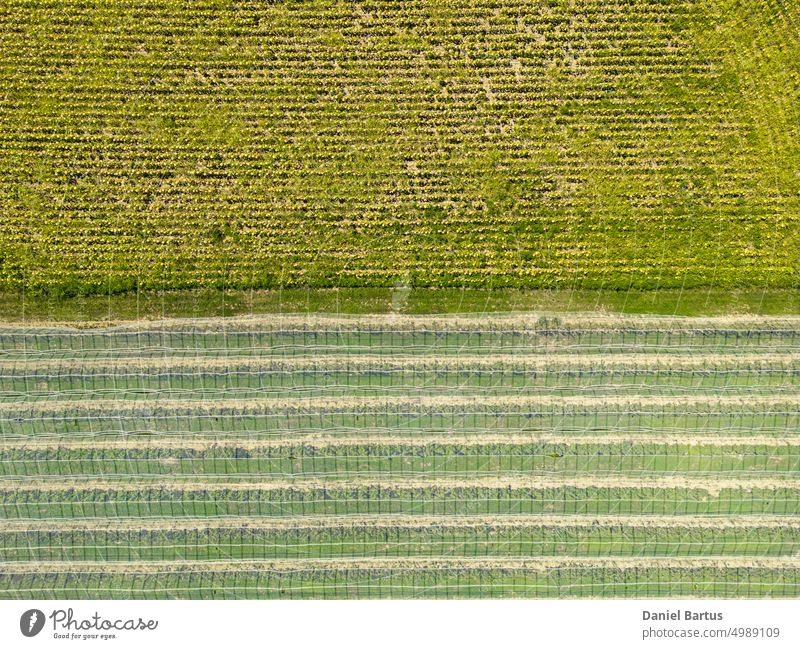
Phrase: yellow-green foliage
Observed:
(587, 143)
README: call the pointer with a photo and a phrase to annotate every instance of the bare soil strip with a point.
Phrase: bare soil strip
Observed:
(642, 360)
(711, 486)
(530, 321)
(347, 404)
(393, 563)
(399, 521)
(316, 440)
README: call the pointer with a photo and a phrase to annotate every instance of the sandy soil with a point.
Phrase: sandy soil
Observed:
(489, 322)
(712, 486)
(415, 440)
(389, 521)
(377, 403)
(401, 564)
(484, 362)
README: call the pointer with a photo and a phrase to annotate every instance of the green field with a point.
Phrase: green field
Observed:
(297, 456)
(280, 581)
(399, 299)
(644, 144)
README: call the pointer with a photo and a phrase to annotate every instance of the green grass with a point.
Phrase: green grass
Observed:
(19, 306)
(255, 542)
(148, 423)
(367, 584)
(321, 143)
(393, 460)
(251, 383)
(301, 500)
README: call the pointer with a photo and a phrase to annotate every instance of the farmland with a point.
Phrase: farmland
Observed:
(383, 299)
(589, 144)
(557, 455)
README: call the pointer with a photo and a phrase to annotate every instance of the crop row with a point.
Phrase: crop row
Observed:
(330, 384)
(255, 541)
(390, 460)
(377, 415)
(241, 380)
(679, 419)
(434, 581)
(387, 342)
(78, 499)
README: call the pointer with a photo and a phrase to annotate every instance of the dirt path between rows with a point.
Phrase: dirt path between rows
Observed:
(351, 404)
(711, 486)
(389, 521)
(357, 362)
(530, 321)
(317, 440)
(405, 564)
